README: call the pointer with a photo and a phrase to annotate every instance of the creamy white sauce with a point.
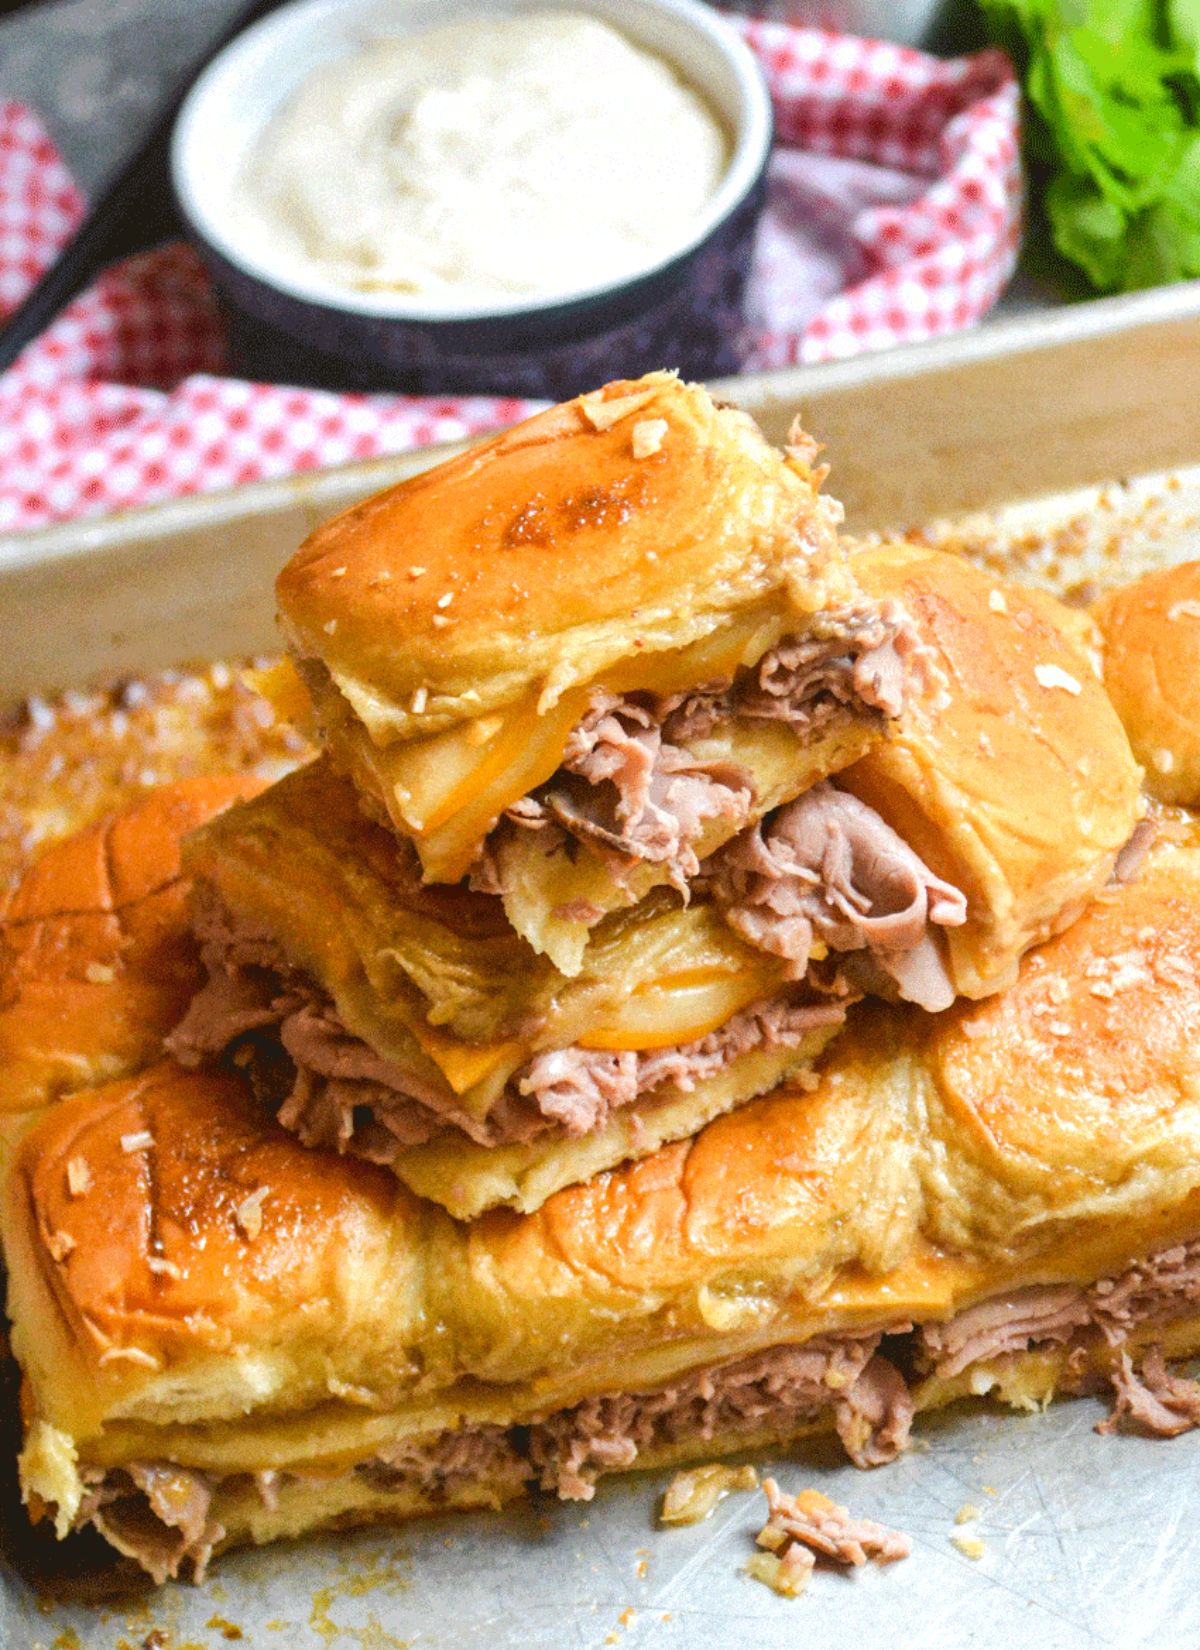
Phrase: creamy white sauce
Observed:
(538, 154)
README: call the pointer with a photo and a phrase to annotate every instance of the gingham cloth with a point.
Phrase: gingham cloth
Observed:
(894, 215)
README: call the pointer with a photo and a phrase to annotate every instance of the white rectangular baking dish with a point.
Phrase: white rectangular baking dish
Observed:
(1086, 1541)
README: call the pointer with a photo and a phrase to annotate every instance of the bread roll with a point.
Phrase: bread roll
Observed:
(992, 813)
(1013, 784)
(1151, 634)
(1019, 788)
(563, 555)
(409, 1024)
(96, 960)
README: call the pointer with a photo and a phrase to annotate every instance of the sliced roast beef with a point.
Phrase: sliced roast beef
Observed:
(580, 1088)
(827, 867)
(874, 1415)
(764, 1392)
(156, 1513)
(335, 1092)
(827, 1529)
(1147, 1396)
(860, 661)
(1039, 1316)
(631, 788)
(1149, 1291)
(630, 794)
(642, 797)
(1163, 1286)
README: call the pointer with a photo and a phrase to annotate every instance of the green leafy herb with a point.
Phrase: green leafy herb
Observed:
(1113, 88)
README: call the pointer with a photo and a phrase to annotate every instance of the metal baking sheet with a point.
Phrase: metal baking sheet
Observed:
(1068, 451)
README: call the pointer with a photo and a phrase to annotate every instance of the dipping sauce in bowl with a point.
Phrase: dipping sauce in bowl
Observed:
(532, 154)
(500, 196)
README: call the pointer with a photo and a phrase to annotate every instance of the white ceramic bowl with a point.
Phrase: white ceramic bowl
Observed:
(682, 310)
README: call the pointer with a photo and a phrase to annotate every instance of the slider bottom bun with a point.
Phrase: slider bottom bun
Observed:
(173, 1519)
(255, 1338)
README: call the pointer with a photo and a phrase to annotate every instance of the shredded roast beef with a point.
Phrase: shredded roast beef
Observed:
(569, 1450)
(447, 1462)
(335, 1092)
(823, 1527)
(827, 867)
(161, 1514)
(1151, 1399)
(157, 1514)
(629, 786)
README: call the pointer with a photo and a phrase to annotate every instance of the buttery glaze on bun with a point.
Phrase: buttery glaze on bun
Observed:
(553, 551)
(1018, 786)
(230, 1338)
(96, 959)
(1082, 1081)
(1151, 634)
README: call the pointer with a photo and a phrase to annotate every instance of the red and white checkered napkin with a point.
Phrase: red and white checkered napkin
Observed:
(894, 215)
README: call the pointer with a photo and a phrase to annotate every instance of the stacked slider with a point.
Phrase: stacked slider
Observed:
(552, 677)
(632, 784)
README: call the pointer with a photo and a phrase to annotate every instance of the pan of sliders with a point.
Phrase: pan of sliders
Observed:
(916, 1249)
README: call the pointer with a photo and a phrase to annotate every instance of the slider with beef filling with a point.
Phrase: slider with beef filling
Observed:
(982, 824)
(408, 1023)
(572, 662)
(225, 1337)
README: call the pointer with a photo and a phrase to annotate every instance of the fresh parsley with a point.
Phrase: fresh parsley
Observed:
(1112, 130)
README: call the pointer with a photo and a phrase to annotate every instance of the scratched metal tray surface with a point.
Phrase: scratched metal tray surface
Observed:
(1065, 449)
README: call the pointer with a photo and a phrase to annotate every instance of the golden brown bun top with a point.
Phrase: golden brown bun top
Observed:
(1083, 1080)
(549, 552)
(1152, 672)
(212, 1267)
(96, 960)
(1018, 783)
(1052, 1133)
